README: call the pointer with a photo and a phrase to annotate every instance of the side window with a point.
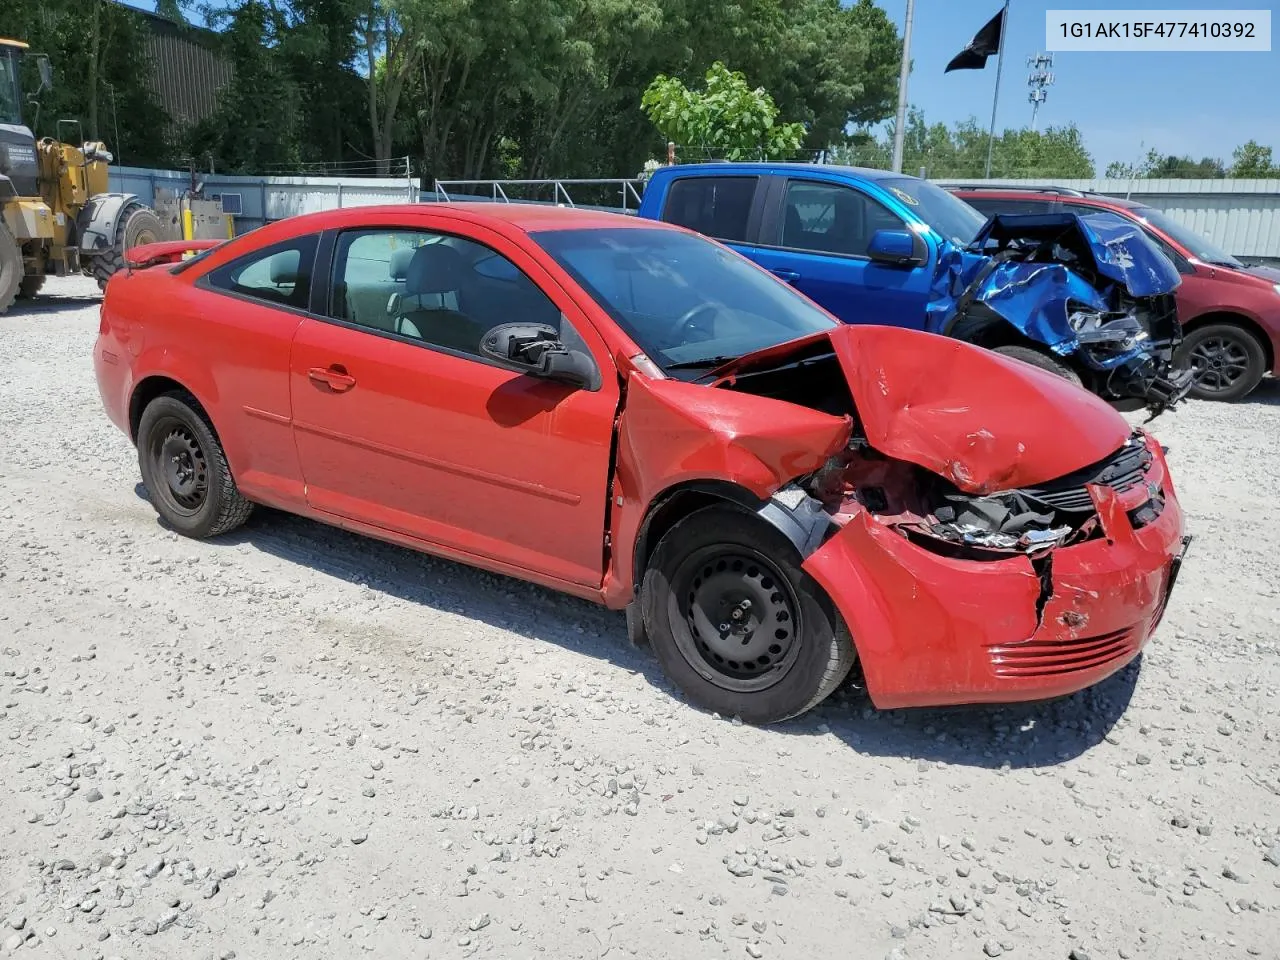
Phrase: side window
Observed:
(279, 274)
(830, 218)
(989, 208)
(442, 290)
(717, 207)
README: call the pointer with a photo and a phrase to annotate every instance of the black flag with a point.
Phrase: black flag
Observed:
(984, 43)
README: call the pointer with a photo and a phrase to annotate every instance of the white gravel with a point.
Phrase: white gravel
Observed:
(297, 743)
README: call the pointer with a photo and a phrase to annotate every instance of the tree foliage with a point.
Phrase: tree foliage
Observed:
(1249, 160)
(727, 119)
(468, 88)
(960, 151)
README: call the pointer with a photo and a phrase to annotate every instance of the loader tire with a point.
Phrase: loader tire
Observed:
(137, 225)
(11, 268)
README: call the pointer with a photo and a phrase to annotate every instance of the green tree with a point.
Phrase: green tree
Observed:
(960, 151)
(102, 75)
(727, 119)
(1253, 160)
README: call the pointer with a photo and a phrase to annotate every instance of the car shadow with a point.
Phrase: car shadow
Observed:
(1026, 735)
(1266, 393)
(49, 303)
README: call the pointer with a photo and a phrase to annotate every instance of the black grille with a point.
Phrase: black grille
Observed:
(1122, 471)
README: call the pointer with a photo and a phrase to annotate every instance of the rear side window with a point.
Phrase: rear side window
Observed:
(717, 207)
(279, 274)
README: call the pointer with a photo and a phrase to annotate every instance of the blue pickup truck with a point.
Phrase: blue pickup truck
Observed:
(1088, 297)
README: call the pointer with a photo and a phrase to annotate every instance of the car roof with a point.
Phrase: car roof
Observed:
(524, 217)
(1012, 194)
(773, 166)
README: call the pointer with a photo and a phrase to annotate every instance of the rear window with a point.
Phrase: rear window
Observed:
(717, 207)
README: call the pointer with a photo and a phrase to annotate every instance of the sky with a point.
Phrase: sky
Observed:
(1196, 103)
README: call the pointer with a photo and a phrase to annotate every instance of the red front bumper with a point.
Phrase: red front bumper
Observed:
(932, 630)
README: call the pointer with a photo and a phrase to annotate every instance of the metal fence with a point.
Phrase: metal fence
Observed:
(254, 201)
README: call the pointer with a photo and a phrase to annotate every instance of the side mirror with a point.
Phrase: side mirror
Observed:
(895, 247)
(536, 349)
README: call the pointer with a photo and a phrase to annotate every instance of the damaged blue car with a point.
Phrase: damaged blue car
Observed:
(1087, 297)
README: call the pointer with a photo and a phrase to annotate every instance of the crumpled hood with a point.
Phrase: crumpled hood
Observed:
(1037, 298)
(985, 422)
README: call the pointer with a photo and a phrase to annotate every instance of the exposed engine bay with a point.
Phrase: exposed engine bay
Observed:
(929, 509)
(1091, 288)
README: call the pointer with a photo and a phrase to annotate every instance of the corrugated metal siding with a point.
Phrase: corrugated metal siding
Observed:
(1240, 216)
(187, 76)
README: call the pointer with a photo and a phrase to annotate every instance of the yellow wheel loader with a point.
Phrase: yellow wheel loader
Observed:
(56, 213)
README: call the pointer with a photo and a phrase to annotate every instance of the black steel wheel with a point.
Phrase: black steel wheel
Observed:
(735, 621)
(185, 469)
(742, 617)
(1227, 360)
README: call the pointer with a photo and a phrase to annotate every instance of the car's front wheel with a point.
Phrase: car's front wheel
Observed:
(736, 623)
(1227, 360)
(185, 469)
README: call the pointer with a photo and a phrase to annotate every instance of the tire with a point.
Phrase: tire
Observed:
(1042, 360)
(30, 286)
(1240, 358)
(185, 470)
(137, 225)
(799, 650)
(11, 268)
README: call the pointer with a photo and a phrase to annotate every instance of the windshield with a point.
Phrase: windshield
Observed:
(689, 303)
(10, 97)
(946, 213)
(1192, 242)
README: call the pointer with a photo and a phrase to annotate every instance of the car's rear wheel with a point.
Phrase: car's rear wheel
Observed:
(185, 469)
(1228, 361)
(736, 623)
(1042, 360)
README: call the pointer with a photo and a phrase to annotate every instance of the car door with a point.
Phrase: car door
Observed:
(401, 424)
(815, 235)
(250, 308)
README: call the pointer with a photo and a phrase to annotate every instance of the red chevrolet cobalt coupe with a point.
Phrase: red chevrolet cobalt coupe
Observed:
(632, 413)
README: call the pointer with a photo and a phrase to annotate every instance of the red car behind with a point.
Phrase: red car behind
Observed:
(1230, 312)
(632, 413)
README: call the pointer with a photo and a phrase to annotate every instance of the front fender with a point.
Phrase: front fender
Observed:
(97, 223)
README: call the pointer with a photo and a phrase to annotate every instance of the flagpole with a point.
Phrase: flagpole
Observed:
(995, 96)
(899, 131)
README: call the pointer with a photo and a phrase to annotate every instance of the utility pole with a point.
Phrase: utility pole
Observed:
(900, 129)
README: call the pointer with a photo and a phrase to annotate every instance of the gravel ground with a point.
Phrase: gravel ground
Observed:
(297, 743)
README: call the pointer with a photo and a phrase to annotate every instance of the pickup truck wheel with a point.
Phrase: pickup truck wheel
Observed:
(1042, 360)
(1228, 361)
(736, 623)
(185, 469)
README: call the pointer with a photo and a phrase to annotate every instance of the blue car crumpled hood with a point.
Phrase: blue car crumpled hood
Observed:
(1037, 292)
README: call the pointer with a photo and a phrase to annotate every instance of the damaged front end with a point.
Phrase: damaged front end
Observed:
(1091, 288)
(987, 535)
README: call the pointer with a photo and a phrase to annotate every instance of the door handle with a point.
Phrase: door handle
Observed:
(335, 377)
(788, 275)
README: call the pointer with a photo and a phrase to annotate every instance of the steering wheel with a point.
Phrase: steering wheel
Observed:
(686, 322)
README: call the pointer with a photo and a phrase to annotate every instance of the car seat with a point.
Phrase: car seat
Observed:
(436, 270)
